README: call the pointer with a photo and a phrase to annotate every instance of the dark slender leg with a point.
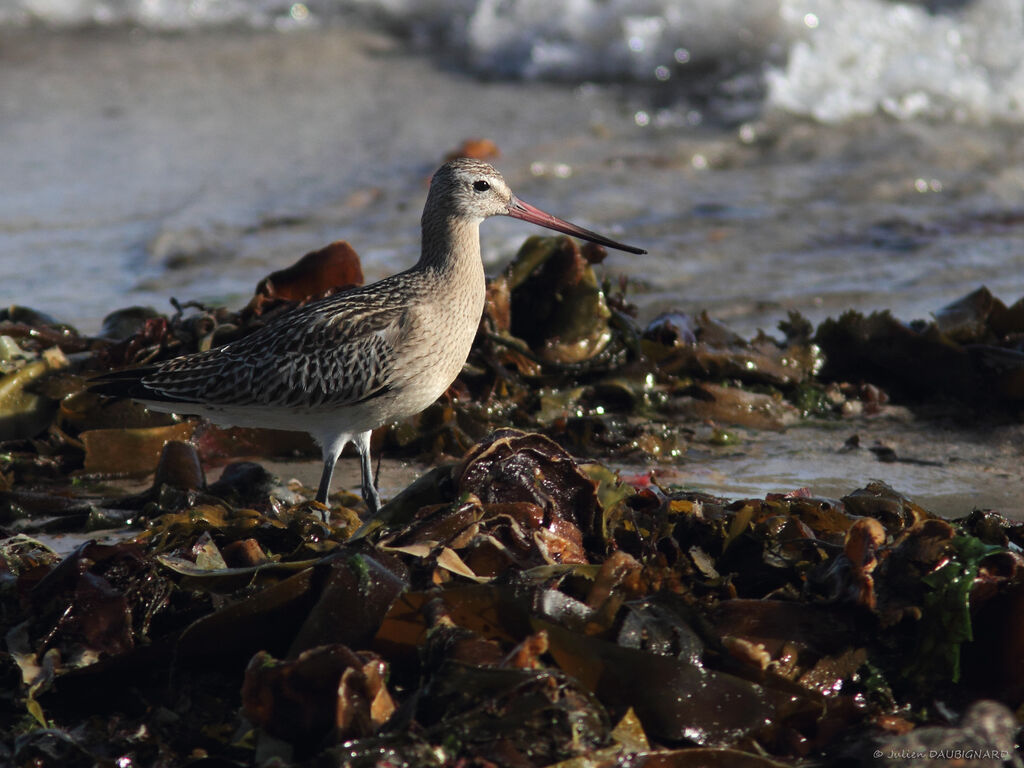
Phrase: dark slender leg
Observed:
(330, 459)
(325, 480)
(370, 495)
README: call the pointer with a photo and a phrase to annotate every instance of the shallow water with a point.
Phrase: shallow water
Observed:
(148, 165)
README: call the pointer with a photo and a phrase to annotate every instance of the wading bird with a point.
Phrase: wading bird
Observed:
(346, 364)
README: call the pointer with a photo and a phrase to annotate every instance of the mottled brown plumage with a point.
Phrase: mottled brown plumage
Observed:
(342, 366)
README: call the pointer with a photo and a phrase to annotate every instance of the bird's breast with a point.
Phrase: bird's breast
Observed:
(434, 347)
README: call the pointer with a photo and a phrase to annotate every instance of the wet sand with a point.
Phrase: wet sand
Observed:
(949, 470)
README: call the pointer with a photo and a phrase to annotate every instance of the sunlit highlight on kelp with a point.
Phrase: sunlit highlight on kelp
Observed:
(516, 605)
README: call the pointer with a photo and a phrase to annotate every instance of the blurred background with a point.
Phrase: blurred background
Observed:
(770, 154)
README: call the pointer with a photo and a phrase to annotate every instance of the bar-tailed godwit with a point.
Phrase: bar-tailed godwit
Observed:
(344, 365)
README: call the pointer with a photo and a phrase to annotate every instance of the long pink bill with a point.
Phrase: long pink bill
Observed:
(520, 210)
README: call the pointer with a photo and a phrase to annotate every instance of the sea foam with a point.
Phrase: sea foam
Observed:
(831, 60)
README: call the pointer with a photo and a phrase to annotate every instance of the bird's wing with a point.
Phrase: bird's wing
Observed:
(337, 351)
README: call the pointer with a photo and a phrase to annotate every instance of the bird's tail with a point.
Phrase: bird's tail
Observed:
(126, 383)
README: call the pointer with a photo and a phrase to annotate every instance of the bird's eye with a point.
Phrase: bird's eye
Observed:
(481, 186)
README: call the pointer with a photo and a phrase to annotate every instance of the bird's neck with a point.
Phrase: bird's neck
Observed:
(451, 246)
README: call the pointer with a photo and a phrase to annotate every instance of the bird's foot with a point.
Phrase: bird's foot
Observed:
(372, 499)
(323, 509)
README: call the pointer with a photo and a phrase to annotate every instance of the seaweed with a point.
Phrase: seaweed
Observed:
(516, 605)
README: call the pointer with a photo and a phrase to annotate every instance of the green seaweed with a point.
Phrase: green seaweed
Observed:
(945, 623)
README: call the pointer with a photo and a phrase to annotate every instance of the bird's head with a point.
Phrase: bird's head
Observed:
(472, 189)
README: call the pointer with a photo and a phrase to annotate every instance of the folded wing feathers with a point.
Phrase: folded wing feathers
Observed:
(333, 352)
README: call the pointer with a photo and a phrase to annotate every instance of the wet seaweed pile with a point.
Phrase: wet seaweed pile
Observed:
(515, 606)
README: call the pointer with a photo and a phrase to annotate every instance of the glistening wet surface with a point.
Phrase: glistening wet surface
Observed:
(949, 470)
